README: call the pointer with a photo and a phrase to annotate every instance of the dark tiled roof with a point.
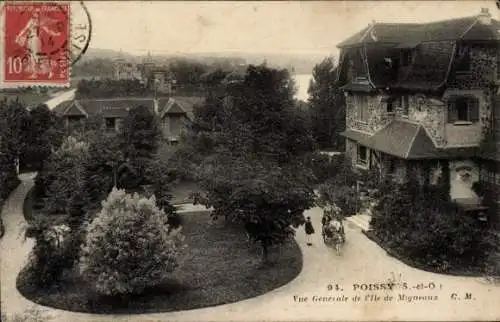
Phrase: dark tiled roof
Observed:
(115, 107)
(380, 72)
(395, 139)
(118, 107)
(483, 32)
(358, 87)
(61, 107)
(179, 105)
(410, 34)
(430, 68)
(407, 141)
(354, 39)
(360, 137)
(75, 109)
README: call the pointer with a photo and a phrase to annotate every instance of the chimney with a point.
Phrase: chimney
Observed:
(484, 17)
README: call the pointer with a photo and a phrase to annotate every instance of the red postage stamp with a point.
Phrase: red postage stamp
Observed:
(35, 38)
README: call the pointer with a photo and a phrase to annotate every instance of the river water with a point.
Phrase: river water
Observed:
(302, 82)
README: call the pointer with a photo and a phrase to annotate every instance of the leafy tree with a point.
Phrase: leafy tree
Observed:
(129, 247)
(63, 175)
(141, 133)
(14, 120)
(340, 188)
(187, 71)
(46, 132)
(327, 105)
(106, 88)
(252, 170)
(266, 197)
(103, 169)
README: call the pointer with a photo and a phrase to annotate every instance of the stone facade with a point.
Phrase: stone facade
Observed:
(483, 69)
(351, 151)
(377, 118)
(468, 134)
(391, 166)
(429, 111)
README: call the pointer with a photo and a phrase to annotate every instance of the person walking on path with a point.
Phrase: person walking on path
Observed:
(309, 231)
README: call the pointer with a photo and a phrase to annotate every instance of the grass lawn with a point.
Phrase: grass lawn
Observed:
(219, 267)
(473, 271)
(181, 192)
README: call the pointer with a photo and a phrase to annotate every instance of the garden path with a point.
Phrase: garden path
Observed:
(362, 261)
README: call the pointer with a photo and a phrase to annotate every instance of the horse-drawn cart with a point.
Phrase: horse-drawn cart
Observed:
(333, 230)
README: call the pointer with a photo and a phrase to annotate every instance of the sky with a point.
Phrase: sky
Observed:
(254, 27)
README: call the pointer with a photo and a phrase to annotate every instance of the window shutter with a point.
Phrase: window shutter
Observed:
(452, 112)
(473, 110)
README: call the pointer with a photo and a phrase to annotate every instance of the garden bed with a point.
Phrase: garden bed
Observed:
(220, 267)
(32, 214)
(454, 271)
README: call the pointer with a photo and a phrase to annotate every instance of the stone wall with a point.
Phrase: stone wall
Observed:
(432, 113)
(351, 151)
(483, 63)
(377, 116)
(469, 134)
(428, 111)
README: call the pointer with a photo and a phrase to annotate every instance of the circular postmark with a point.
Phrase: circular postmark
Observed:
(81, 31)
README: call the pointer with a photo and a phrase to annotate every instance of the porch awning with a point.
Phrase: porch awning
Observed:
(358, 88)
(407, 141)
(360, 137)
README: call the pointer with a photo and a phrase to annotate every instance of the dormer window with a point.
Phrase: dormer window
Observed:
(407, 57)
(462, 58)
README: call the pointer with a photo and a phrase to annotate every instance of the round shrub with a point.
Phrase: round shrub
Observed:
(48, 258)
(129, 246)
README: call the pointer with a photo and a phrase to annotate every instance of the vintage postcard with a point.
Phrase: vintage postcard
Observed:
(249, 161)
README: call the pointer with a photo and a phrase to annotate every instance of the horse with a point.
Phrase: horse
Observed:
(333, 235)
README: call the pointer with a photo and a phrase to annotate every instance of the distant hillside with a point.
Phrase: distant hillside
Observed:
(301, 63)
(93, 53)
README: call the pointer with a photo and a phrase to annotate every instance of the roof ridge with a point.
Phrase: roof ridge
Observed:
(410, 146)
(117, 99)
(452, 58)
(424, 23)
(430, 137)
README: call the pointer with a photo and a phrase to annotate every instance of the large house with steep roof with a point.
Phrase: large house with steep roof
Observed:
(420, 97)
(174, 112)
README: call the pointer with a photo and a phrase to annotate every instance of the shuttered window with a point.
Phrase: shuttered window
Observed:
(463, 109)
